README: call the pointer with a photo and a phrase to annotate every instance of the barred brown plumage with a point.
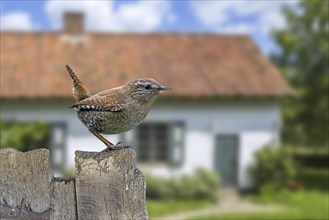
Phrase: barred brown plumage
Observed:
(115, 110)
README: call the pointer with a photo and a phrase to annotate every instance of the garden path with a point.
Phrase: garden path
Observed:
(230, 202)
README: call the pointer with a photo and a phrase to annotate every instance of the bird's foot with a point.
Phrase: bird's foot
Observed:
(117, 146)
(120, 145)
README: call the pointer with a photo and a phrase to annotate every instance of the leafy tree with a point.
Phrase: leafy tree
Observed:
(304, 59)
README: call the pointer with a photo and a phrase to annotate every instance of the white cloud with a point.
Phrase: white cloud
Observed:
(265, 15)
(211, 12)
(16, 21)
(137, 16)
(271, 20)
(256, 18)
(247, 7)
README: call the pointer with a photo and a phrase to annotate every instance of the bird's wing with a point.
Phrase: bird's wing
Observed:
(95, 107)
(108, 100)
(113, 108)
(99, 104)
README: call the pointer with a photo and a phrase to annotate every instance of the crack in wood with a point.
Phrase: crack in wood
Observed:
(22, 213)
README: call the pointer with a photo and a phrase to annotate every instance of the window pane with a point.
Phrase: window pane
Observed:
(143, 142)
(153, 142)
(162, 153)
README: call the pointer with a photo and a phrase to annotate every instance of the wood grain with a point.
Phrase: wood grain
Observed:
(109, 185)
(25, 180)
(63, 200)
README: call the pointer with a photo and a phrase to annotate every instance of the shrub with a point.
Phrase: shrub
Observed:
(273, 166)
(23, 136)
(157, 187)
(202, 184)
(209, 184)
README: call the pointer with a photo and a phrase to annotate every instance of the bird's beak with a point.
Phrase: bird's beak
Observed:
(164, 88)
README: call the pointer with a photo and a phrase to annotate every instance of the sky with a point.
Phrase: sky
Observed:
(253, 17)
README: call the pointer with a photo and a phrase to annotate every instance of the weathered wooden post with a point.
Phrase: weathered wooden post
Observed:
(108, 185)
(63, 199)
(25, 184)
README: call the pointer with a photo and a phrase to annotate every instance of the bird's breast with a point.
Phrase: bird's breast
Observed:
(108, 122)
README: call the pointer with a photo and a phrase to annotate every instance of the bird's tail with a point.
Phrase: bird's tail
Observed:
(79, 90)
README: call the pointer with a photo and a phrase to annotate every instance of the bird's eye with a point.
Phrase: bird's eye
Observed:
(147, 87)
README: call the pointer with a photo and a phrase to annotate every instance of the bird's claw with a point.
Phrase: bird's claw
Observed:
(117, 146)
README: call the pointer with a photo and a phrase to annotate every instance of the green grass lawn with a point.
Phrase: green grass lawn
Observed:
(311, 202)
(299, 205)
(162, 208)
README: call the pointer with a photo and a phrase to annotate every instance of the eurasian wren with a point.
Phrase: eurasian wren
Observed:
(115, 110)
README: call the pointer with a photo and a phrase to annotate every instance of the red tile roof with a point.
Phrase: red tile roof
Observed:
(194, 65)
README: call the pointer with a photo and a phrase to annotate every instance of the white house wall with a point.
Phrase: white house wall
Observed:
(256, 122)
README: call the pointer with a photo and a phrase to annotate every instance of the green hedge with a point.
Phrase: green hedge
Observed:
(23, 136)
(202, 184)
(312, 160)
(314, 179)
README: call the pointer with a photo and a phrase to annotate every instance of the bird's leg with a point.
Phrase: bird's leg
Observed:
(108, 144)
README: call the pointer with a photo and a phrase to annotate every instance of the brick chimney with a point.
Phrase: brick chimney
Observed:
(73, 23)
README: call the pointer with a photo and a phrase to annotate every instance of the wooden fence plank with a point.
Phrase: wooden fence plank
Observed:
(25, 180)
(109, 186)
(63, 200)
